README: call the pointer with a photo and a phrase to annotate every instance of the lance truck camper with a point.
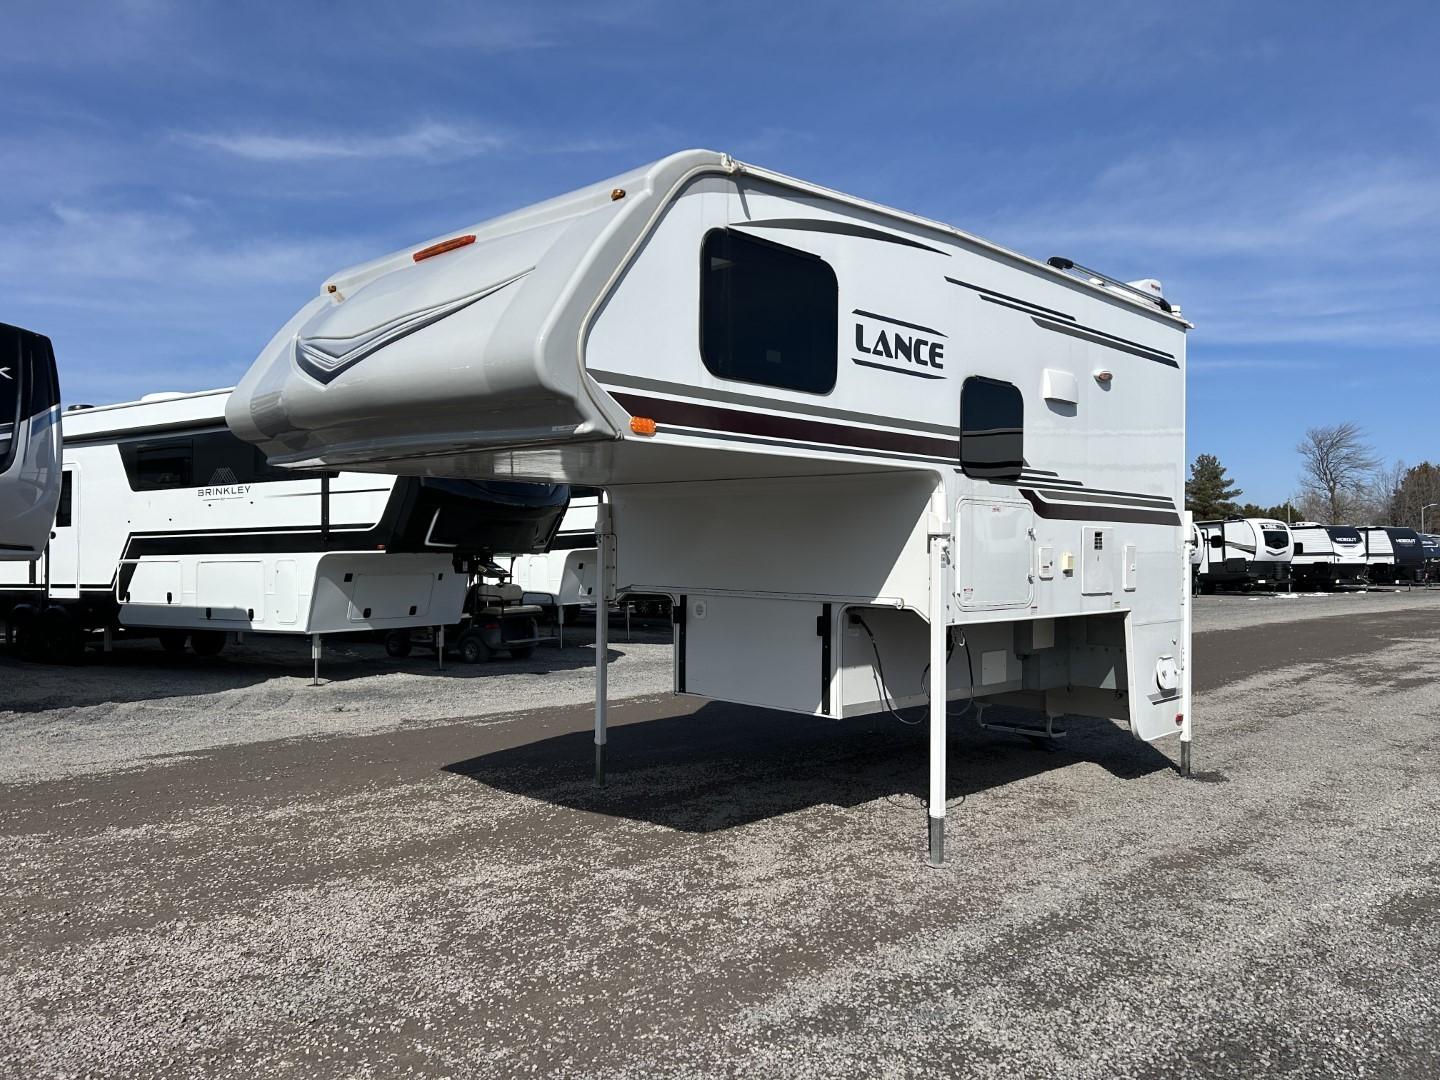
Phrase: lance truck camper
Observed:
(170, 524)
(875, 462)
(29, 444)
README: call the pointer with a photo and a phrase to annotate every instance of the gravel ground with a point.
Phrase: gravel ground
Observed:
(209, 871)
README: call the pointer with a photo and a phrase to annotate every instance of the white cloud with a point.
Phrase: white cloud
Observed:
(427, 140)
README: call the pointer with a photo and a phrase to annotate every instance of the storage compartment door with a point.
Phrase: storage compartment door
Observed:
(996, 553)
(754, 651)
(230, 590)
(375, 597)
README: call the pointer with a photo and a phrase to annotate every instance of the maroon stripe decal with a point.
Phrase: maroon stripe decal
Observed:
(742, 422)
(1060, 512)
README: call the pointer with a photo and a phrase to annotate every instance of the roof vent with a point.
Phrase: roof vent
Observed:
(79, 406)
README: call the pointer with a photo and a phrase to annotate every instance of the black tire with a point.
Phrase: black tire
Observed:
(63, 640)
(397, 644)
(207, 642)
(173, 641)
(472, 650)
(522, 652)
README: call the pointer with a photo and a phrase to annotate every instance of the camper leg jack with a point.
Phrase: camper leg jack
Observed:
(938, 730)
(603, 540)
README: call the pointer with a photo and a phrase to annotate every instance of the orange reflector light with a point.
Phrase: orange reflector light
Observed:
(444, 246)
(642, 425)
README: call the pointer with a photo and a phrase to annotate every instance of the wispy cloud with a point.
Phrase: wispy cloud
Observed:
(428, 140)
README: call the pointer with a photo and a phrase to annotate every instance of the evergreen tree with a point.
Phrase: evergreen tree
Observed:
(1209, 493)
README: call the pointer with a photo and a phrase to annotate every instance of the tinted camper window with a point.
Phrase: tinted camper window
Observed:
(63, 511)
(1275, 538)
(157, 466)
(768, 314)
(9, 392)
(992, 429)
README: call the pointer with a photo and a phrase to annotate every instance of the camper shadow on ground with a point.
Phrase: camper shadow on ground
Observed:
(727, 765)
(141, 671)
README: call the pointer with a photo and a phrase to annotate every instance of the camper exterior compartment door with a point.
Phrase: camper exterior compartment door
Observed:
(996, 553)
(754, 651)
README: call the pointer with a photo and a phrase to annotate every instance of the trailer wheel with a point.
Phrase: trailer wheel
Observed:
(522, 652)
(207, 642)
(63, 639)
(173, 642)
(472, 649)
(397, 644)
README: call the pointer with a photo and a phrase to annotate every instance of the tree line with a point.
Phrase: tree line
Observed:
(1342, 482)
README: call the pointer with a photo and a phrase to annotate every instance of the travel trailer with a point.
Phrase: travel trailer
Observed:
(876, 462)
(1243, 552)
(1326, 555)
(170, 524)
(1393, 554)
(29, 443)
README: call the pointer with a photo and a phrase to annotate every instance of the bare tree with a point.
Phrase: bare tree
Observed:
(1336, 464)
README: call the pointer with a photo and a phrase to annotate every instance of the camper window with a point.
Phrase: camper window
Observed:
(768, 313)
(9, 396)
(992, 429)
(1275, 538)
(157, 466)
(63, 512)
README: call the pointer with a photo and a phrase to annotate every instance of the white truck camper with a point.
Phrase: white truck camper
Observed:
(1243, 552)
(169, 523)
(29, 443)
(876, 462)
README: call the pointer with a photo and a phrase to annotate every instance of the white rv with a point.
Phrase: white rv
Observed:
(29, 443)
(876, 462)
(1393, 554)
(1243, 551)
(170, 523)
(1326, 555)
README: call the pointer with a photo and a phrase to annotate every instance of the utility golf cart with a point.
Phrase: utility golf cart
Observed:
(494, 619)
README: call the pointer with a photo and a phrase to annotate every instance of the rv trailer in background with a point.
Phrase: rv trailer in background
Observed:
(1393, 554)
(1243, 552)
(170, 524)
(876, 462)
(29, 444)
(1326, 556)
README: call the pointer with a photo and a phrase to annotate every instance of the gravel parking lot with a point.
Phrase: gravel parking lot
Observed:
(211, 868)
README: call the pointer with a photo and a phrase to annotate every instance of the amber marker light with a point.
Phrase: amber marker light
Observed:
(642, 425)
(444, 246)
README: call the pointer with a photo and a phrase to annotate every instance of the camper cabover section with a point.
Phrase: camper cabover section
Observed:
(873, 460)
(1244, 553)
(29, 443)
(171, 523)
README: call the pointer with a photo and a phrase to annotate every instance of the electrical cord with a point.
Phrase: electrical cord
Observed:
(884, 688)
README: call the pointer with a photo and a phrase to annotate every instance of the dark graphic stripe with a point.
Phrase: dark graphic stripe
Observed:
(1009, 301)
(896, 370)
(842, 228)
(690, 414)
(1099, 337)
(897, 322)
(1062, 512)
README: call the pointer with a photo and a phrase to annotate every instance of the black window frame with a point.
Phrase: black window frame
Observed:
(1008, 469)
(12, 356)
(826, 348)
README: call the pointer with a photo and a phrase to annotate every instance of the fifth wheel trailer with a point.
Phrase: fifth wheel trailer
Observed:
(171, 524)
(1244, 552)
(875, 461)
(29, 443)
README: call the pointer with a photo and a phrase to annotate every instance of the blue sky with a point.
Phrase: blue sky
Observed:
(179, 177)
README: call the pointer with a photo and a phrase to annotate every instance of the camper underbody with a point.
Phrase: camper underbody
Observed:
(897, 467)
